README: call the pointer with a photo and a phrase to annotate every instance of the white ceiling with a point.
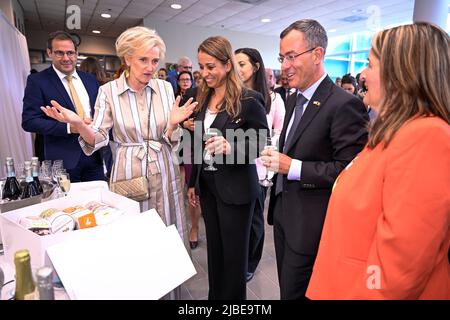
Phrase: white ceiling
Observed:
(235, 15)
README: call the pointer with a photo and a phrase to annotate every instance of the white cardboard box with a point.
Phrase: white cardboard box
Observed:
(15, 237)
(138, 258)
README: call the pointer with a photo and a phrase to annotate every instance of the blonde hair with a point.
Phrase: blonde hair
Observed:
(137, 38)
(414, 68)
(220, 48)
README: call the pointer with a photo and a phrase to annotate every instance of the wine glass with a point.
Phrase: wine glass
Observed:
(63, 179)
(207, 156)
(270, 145)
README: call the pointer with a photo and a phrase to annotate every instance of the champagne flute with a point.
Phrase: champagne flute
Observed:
(64, 182)
(208, 157)
(270, 145)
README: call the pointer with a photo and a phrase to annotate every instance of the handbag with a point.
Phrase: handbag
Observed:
(136, 188)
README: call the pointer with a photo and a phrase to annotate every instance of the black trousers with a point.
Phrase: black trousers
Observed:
(294, 268)
(227, 235)
(256, 243)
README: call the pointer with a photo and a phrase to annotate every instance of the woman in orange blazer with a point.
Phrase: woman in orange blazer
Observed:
(386, 234)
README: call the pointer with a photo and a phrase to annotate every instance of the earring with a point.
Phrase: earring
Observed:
(127, 72)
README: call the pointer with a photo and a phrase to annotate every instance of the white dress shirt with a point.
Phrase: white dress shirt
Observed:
(81, 91)
(295, 170)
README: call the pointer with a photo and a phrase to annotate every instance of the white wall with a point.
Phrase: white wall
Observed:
(183, 40)
(37, 39)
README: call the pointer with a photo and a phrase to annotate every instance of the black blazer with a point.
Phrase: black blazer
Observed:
(237, 183)
(331, 132)
(282, 92)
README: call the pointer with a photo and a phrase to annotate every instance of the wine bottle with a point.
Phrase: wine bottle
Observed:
(30, 189)
(35, 170)
(11, 189)
(25, 286)
(44, 279)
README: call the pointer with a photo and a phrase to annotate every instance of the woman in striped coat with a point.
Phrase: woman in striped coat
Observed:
(143, 116)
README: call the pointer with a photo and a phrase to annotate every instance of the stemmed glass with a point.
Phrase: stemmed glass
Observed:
(207, 156)
(270, 145)
(63, 179)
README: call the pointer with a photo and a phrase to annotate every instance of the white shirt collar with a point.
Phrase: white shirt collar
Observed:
(308, 93)
(63, 75)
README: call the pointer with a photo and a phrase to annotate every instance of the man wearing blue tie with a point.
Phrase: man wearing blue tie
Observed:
(73, 89)
(324, 129)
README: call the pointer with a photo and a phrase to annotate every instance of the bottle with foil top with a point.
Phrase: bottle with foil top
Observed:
(35, 171)
(30, 189)
(44, 279)
(11, 189)
(25, 286)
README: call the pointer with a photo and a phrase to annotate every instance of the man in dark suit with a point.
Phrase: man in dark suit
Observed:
(73, 89)
(285, 89)
(324, 129)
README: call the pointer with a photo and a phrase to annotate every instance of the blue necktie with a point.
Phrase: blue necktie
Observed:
(298, 112)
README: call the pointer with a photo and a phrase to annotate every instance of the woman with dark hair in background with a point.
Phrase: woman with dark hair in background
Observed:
(348, 83)
(227, 195)
(253, 74)
(184, 82)
(91, 65)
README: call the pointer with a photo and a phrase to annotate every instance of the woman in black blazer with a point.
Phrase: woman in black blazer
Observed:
(227, 196)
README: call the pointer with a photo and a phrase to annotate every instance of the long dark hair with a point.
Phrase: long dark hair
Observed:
(178, 93)
(259, 76)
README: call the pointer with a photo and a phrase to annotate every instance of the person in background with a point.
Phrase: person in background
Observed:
(77, 90)
(324, 130)
(119, 71)
(184, 64)
(92, 66)
(252, 72)
(146, 150)
(184, 82)
(387, 229)
(197, 78)
(338, 81)
(162, 74)
(227, 195)
(348, 83)
(285, 90)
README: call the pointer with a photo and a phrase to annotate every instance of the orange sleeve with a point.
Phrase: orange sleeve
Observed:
(413, 230)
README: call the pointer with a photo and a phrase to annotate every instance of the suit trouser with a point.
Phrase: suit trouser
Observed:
(256, 243)
(294, 269)
(227, 235)
(88, 168)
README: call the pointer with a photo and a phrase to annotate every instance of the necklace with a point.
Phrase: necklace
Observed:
(211, 112)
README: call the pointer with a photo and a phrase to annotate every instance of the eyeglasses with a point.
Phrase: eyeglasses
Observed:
(61, 54)
(187, 67)
(291, 57)
(185, 80)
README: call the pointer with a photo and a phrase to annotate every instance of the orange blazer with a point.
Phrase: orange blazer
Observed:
(386, 233)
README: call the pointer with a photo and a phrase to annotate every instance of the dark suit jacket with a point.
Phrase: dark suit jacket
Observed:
(331, 132)
(41, 88)
(282, 92)
(237, 183)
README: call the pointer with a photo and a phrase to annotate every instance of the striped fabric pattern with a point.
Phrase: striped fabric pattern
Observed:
(126, 113)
